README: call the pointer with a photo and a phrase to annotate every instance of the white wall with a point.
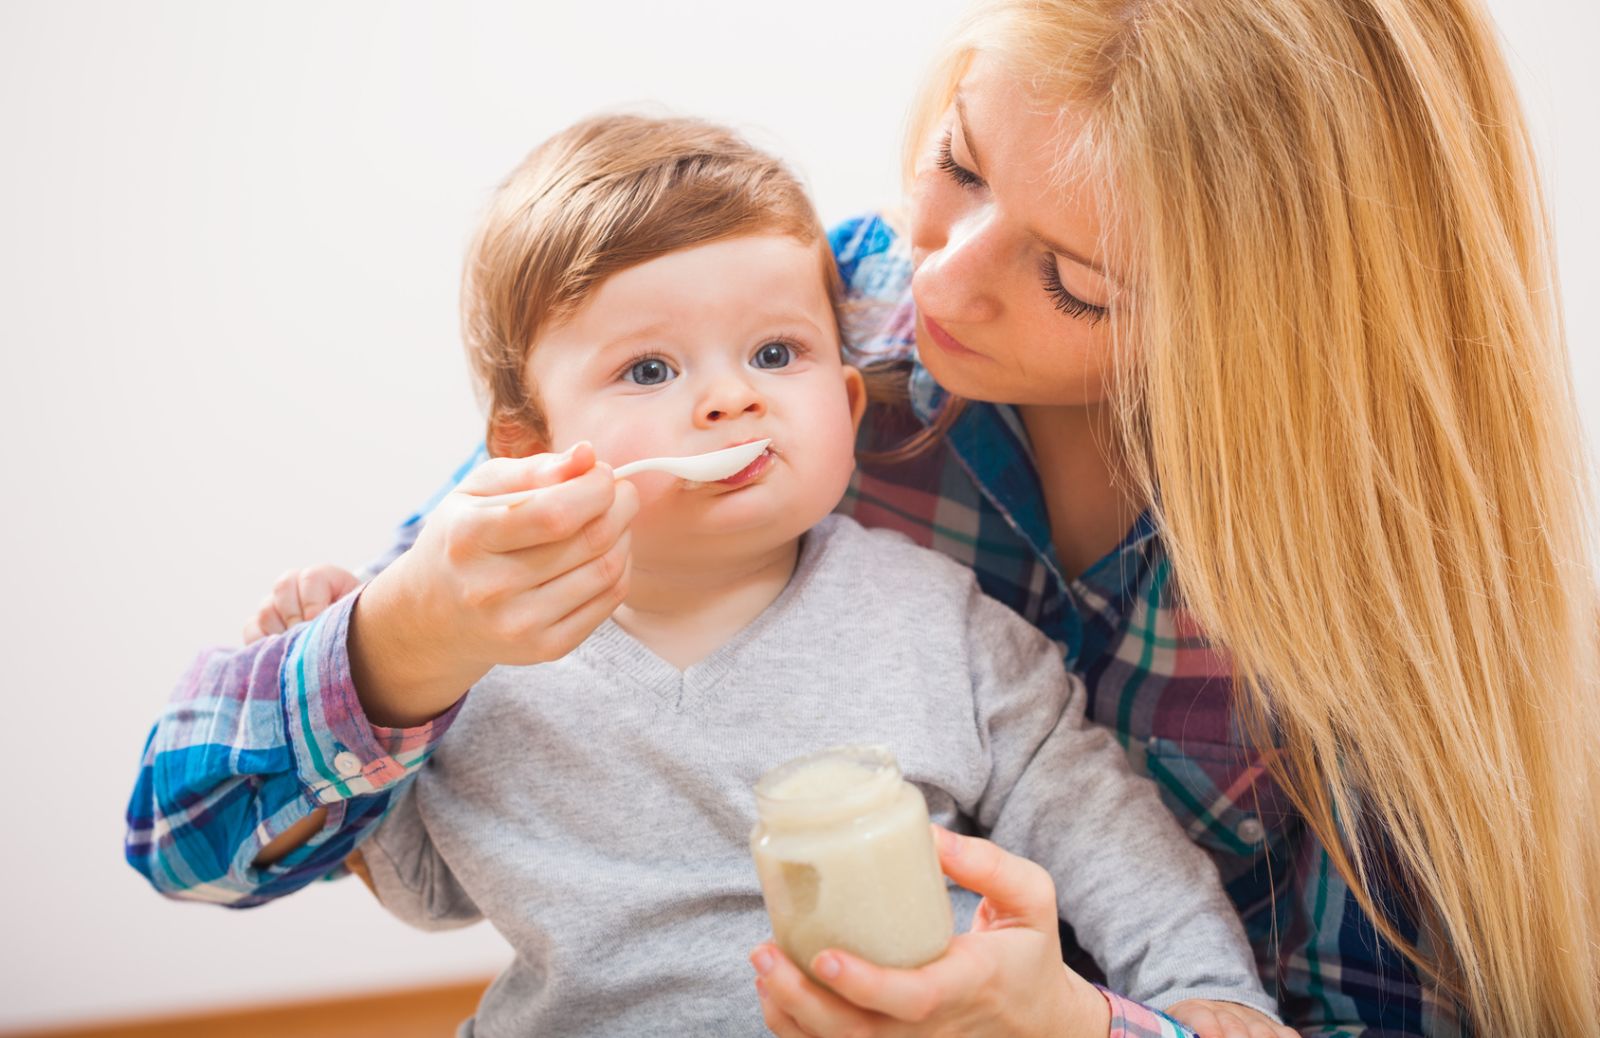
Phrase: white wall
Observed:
(229, 242)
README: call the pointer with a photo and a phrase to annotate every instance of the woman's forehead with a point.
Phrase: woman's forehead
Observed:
(1024, 147)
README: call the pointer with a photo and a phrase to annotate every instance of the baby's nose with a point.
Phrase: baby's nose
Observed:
(730, 398)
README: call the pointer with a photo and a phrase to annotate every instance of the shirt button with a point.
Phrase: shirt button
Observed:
(347, 764)
(1251, 831)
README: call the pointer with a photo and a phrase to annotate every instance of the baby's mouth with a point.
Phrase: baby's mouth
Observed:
(749, 474)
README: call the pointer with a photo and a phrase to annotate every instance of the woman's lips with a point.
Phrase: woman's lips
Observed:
(943, 339)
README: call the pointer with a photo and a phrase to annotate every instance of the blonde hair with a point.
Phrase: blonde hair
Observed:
(605, 194)
(1349, 396)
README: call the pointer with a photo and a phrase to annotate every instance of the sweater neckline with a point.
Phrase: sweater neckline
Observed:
(615, 649)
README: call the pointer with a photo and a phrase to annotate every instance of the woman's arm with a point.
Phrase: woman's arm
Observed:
(253, 741)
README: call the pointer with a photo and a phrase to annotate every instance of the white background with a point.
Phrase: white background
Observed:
(230, 236)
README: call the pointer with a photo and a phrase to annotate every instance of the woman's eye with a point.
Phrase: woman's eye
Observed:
(774, 355)
(652, 371)
(953, 169)
(1064, 300)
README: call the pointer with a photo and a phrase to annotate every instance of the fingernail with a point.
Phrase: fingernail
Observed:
(828, 967)
(949, 842)
(762, 961)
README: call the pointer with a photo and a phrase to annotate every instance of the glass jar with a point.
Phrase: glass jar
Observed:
(847, 860)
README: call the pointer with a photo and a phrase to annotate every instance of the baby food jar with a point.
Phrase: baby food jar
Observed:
(847, 860)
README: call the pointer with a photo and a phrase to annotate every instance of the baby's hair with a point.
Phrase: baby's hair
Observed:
(606, 194)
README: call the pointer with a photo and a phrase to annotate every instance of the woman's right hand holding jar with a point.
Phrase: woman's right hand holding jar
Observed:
(1003, 977)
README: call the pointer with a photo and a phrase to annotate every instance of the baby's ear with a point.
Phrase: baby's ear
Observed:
(855, 389)
(510, 436)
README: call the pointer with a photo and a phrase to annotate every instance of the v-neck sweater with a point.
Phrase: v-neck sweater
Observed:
(597, 809)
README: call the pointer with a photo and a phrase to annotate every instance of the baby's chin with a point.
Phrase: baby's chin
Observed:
(721, 529)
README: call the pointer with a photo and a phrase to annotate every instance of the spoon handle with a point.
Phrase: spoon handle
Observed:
(518, 496)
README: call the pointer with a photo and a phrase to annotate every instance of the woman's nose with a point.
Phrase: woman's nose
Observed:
(727, 397)
(957, 260)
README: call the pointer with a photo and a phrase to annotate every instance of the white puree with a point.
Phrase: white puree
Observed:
(847, 860)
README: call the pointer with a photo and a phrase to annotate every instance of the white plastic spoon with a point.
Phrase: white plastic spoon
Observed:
(698, 468)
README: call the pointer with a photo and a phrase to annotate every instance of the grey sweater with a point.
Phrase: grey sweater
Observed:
(597, 810)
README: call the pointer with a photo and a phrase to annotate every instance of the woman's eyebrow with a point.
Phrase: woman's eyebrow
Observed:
(977, 163)
(1071, 254)
(961, 118)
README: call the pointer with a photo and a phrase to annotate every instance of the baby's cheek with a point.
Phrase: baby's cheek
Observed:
(834, 440)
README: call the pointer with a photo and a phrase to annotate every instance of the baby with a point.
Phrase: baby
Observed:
(639, 651)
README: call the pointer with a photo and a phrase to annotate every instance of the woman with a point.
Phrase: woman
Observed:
(1267, 421)
(1261, 292)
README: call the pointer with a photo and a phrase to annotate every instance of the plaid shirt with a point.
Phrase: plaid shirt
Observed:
(255, 738)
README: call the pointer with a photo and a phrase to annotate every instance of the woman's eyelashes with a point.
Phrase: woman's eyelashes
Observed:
(649, 369)
(953, 169)
(1064, 300)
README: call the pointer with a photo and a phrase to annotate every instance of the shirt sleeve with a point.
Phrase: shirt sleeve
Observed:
(1143, 900)
(251, 742)
(255, 739)
(1129, 1019)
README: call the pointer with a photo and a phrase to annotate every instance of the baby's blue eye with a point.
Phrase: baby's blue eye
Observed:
(652, 371)
(774, 355)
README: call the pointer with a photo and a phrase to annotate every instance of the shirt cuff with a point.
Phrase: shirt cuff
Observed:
(1130, 1019)
(338, 753)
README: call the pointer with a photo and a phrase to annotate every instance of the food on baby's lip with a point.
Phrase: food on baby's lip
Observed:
(847, 860)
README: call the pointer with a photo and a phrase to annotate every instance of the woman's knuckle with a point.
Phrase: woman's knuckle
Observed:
(473, 594)
(458, 545)
(612, 563)
(597, 535)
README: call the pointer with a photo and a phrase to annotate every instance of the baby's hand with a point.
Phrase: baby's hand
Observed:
(1225, 1020)
(298, 595)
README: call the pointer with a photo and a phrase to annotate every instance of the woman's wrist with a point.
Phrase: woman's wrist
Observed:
(403, 674)
(1088, 1012)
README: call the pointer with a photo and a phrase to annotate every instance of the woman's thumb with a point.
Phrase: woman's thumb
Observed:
(1014, 887)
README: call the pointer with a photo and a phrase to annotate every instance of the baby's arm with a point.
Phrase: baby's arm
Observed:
(409, 877)
(1141, 897)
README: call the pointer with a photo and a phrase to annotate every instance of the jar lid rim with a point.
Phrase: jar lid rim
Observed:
(881, 771)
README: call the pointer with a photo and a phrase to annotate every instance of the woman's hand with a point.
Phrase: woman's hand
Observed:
(1003, 977)
(299, 595)
(509, 584)
(1209, 1019)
